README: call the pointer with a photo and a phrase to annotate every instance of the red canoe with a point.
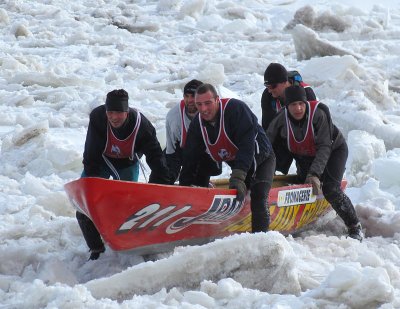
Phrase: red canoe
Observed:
(151, 218)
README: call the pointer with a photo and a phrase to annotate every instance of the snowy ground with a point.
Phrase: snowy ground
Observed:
(60, 58)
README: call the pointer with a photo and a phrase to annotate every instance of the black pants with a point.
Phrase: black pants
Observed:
(260, 183)
(331, 180)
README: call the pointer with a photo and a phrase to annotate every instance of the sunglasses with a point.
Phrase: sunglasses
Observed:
(270, 86)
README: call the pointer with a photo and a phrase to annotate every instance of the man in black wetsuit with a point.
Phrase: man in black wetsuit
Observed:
(117, 136)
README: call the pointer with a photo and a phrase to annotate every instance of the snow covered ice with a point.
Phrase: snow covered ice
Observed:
(60, 58)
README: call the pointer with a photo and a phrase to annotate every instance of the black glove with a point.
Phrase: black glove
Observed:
(237, 182)
(160, 178)
(174, 163)
(316, 184)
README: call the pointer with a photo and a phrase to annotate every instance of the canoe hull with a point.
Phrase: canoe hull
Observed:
(151, 218)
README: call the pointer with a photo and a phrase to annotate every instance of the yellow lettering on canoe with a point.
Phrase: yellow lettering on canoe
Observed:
(285, 219)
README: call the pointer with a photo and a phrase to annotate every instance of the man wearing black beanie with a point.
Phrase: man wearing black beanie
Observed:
(117, 101)
(276, 80)
(116, 136)
(319, 149)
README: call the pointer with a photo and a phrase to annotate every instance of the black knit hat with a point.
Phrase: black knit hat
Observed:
(117, 101)
(191, 87)
(294, 94)
(275, 73)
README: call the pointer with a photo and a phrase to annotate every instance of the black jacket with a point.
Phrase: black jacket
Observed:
(146, 143)
(268, 105)
(241, 126)
(327, 138)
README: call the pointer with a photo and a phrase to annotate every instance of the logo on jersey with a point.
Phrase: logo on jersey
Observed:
(115, 150)
(223, 154)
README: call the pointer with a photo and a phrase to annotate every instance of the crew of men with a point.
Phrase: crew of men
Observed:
(204, 130)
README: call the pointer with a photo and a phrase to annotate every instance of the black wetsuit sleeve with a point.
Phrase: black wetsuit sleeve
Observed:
(95, 142)
(323, 142)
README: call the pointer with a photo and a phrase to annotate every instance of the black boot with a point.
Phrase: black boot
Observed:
(95, 253)
(355, 232)
(343, 206)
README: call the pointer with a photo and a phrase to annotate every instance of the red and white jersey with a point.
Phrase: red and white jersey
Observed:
(117, 148)
(223, 149)
(305, 147)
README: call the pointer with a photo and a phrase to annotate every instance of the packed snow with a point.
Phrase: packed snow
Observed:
(60, 58)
